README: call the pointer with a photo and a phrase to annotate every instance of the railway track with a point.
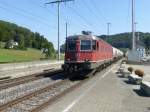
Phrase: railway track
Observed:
(34, 96)
(4, 84)
(35, 100)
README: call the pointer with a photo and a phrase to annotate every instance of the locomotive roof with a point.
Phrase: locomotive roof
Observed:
(75, 37)
(83, 37)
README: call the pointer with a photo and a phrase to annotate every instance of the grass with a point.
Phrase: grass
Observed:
(2, 44)
(10, 55)
(62, 56)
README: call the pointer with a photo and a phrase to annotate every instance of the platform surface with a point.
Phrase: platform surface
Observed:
(27, 68)
(106, 92)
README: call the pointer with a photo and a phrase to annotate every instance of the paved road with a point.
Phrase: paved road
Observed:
(106, 92)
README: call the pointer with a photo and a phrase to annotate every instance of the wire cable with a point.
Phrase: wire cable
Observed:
(27, 14)
(91, 10)
(28, 17)
(86, 22)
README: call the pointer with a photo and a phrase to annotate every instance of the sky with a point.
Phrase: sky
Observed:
(88, 15)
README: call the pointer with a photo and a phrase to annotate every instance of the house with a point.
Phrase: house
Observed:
(12, 44)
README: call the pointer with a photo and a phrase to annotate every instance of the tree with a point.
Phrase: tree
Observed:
(25, 38)
(62, 48)
(48, 50)
(8, 44)
(21, 42)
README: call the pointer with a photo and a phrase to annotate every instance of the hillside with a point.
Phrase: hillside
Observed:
(124, 40)
(10, 32)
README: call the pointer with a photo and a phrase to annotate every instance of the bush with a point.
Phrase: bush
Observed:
(139, 72)
(130, 69)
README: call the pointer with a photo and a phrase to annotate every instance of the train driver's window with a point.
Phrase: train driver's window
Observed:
(93, 45)
(85, 45)
(97, 46)
(71, 45)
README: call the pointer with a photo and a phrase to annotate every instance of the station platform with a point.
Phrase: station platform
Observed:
(106, 92)
(14, 70)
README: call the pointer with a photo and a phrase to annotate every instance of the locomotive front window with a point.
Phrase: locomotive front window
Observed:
(85, 45)
(93, 45)
(71, 46)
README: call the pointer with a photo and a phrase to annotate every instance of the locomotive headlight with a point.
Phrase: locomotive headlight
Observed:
(86, 60)
(68, 59)
(77, 56)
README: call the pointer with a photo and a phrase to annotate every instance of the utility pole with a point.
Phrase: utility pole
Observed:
(58, 11)
(136, 35)
(133, 24)
(108, 30)
(66, 30)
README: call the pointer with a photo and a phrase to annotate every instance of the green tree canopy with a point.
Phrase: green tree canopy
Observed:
(25, 37)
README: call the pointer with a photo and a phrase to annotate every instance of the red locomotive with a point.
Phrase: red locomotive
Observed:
(85, 52)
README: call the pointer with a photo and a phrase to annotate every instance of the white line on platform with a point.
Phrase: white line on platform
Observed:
(108, 72)
(85, 92)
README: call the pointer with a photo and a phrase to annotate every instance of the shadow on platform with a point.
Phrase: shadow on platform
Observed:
(117, 72)
(120, 76)
(139, 92)
(129, 82)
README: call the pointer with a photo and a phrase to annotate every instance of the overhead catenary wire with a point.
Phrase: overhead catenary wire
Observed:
(98, 10)
(86, 22)
(42, 20)
(44, 8)
(98, 19)
(58, 2)
(3, 17)
(8, 11)
(128, 12)
(26, 14)
(71, 24)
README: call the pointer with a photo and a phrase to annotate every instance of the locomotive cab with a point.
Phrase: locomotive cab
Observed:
(78, 53)
(87, 52)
